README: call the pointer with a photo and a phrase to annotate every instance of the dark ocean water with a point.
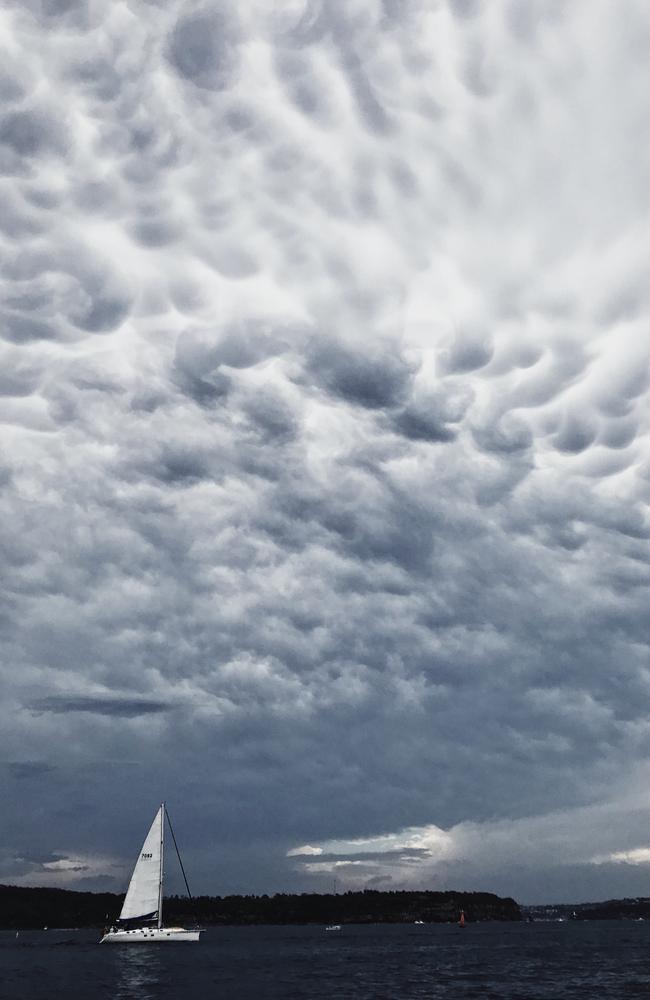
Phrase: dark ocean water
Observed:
(541, 961)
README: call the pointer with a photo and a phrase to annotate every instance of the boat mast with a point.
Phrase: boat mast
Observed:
(160, 878)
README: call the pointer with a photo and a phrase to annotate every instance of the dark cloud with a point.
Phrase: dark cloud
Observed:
(506, 436)
(304, 87)
(577, 434)
(466, 354)
(68, 288)
(203, 356)
(367, 379)
(311, 24)
(31, 133)
(465, 8)
(398, 11)
(21, 329)
(182, 466)
(203, 48)
(11, 88)
(67, 13)
(29, 769)
(155, 232)
(271, 416)
(418, 425)
(121, 706)
(18, 224)
(618, 433)
(371, 112)
(196, 369)
(106, 309)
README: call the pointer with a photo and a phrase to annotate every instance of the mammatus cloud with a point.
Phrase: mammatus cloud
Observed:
(324, 468)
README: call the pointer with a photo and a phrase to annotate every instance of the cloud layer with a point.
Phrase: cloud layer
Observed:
(324, 465)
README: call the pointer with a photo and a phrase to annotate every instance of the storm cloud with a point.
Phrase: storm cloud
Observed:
(324, 469)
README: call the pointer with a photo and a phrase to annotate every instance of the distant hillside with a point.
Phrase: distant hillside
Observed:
(24, 908)
(366, 907)
(635, 908)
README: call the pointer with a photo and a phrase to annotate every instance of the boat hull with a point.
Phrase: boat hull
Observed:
(151, 935)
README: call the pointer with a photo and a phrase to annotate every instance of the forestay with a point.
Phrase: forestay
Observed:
(142, 896)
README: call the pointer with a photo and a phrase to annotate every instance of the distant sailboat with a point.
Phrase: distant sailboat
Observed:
(461, 922)
(141, 918)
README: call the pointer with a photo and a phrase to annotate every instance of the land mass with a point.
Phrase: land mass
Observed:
(634, 908)
(23, 908)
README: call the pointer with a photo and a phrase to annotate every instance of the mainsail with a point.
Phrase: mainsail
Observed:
(143, 895)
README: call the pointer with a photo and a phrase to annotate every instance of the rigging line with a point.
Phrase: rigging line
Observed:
(178, 854)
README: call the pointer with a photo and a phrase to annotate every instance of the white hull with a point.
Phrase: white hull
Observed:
(149, 935)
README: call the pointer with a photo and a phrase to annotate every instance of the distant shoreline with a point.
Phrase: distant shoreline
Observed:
(630, 908)
(35, 907)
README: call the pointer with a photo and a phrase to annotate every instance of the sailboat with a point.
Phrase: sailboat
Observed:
(141, 918)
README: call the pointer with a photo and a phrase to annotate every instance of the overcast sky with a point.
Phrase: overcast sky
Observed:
(324, 461)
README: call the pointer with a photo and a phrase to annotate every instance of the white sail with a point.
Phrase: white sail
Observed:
(142, 896)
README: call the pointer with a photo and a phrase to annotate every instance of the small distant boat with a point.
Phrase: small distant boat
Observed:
(461, 922)
(141, 918)
(333, 927)
(418, 921)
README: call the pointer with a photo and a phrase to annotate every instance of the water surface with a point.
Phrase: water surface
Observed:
(599, 960)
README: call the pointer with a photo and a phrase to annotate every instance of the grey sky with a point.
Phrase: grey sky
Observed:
(324, 461)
